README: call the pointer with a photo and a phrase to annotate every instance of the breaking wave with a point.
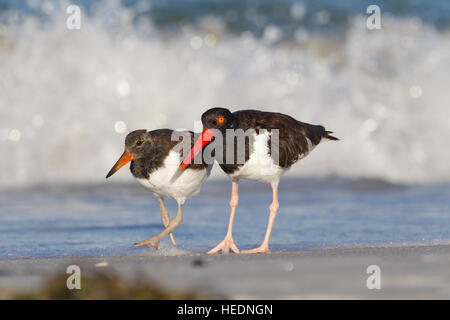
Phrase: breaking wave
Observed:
(68, 97)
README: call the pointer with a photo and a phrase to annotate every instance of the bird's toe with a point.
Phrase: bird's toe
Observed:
(225, 246)
(153, 241)
(256, 250)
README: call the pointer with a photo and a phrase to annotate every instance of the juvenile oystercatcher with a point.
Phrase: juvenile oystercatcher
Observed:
(155, 157)
(265, 156)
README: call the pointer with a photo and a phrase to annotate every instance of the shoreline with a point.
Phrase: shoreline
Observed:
(417, 271)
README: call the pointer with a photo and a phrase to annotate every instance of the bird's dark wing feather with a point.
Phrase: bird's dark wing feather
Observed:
(293, 134)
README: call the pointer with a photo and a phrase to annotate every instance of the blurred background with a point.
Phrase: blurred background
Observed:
(69, 97)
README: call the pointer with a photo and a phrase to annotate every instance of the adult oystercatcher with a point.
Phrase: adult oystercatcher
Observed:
(272, 143)
(155, 157)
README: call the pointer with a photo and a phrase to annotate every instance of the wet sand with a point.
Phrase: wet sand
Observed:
(407, 272)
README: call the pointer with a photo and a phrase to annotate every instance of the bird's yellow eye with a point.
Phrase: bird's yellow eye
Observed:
(220, 120)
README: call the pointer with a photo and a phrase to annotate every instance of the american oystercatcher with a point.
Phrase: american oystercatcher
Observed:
(272, 143)
(155, 157)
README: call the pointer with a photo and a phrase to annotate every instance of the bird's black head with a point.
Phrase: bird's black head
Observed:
(137, 144)
(214, 120)
(219, 118)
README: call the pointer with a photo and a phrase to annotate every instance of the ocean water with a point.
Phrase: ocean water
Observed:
(106, 219)
(68, 98)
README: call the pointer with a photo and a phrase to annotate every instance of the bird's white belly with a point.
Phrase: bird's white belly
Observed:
(260, 166)
(169, 181)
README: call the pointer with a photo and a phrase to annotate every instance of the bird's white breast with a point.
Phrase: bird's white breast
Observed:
(169, 181)
(260, 166)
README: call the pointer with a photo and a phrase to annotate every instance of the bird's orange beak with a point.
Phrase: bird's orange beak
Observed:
(206, 137)
(123, 160)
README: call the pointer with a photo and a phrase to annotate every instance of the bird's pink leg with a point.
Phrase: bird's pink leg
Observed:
(264, 247)
(154, 241)
(165, 218)
(228, 242)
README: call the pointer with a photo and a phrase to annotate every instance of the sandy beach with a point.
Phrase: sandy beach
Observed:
(407, 272)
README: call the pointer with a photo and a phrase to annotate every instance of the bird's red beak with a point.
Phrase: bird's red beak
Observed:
(206, 137)
(123, 160)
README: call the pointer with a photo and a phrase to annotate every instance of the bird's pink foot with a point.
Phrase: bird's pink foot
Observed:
(153, 241)
(225, 246)
(260, 249)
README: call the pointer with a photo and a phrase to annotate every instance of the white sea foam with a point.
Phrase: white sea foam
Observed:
(67, 95)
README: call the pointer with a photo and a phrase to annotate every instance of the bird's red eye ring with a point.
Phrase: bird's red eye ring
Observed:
(220, 120)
